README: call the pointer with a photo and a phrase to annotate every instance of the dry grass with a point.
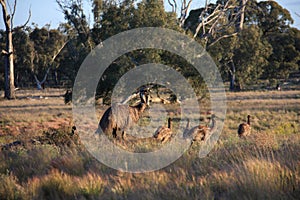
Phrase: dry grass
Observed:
(265, 165)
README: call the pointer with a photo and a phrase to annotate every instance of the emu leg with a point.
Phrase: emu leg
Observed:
(123, 135)
(203, 137)
(114, 133)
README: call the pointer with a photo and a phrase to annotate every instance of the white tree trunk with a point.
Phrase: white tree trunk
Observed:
(8, 52)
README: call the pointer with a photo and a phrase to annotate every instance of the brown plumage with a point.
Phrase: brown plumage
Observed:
(121, 117)
(164, 133)
(245, 128)
(200, 133)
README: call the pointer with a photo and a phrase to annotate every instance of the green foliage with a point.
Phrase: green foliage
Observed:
(250, 55)
(285, 55)
(24, 50)
(287, 128)
(47, 44)
(266, 48)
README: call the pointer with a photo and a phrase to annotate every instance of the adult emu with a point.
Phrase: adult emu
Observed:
(164, 133)
(245, 128)
(121, 117)
(200, 133)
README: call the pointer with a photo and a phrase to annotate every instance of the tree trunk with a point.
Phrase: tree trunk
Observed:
(8, 52)
(232, 77)
(10, 65)
(242, 18)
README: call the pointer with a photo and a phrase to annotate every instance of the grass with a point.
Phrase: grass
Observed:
(51, 163)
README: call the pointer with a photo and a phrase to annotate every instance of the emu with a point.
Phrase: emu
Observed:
(164, 133)
(244, 128)
(121, 117)
(68, 97)
(200, 133)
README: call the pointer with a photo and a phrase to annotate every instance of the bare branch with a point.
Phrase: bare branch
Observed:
(45, 77)
(184, 11)
(130, 97)
(4, 52)
(173, 5)
(13, 12)
(58, 52)
(216, 20)
(209, 19)
(40, 83)
(220, 38)
(27, 21)
(6, 16)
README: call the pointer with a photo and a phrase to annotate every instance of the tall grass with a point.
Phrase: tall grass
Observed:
(229, 172)
(265, 165)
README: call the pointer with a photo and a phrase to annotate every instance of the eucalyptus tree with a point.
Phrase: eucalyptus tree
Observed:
(275, 22)
(23, 59)
(47, 44)
(8, 13)
(118, 17)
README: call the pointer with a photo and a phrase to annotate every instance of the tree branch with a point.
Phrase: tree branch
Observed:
(6, 16)
(173, 5)
(58, 52)
(184, 10)
(13, 12)
(220, 38)
(219, 19)
(27, 21)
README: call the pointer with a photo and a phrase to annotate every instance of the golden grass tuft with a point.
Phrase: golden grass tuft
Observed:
(256, 179)
(58, 185)
(265, 165)
(9, 187)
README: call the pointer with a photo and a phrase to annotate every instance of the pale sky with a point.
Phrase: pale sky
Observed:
(47, 11)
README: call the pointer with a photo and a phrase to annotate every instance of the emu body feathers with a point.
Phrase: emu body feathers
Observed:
(164, 133)
(244, 128)
(121, 117)
(200, 132)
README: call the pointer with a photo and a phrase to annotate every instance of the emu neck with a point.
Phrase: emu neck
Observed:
(213, 123)
(141, 107)
(188, 124)
(248, 122)
(169, 123)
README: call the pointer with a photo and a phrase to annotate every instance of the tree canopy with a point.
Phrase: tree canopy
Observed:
(249, 41)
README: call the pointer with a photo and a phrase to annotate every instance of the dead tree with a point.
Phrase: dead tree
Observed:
(214, 20)
(8, 51)
(41, 84)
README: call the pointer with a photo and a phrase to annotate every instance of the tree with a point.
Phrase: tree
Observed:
(74, 14)
(253, 40)
(217, 26)
(48, 44)
(251, 55)
(113, 17)
(8, 52)
(285, 56)
(23, 56)
(216, 21)
(275, 23)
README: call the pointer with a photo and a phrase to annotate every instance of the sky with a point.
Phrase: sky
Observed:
(47, 11)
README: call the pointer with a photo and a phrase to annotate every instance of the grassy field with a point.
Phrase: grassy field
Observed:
(42, 159)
